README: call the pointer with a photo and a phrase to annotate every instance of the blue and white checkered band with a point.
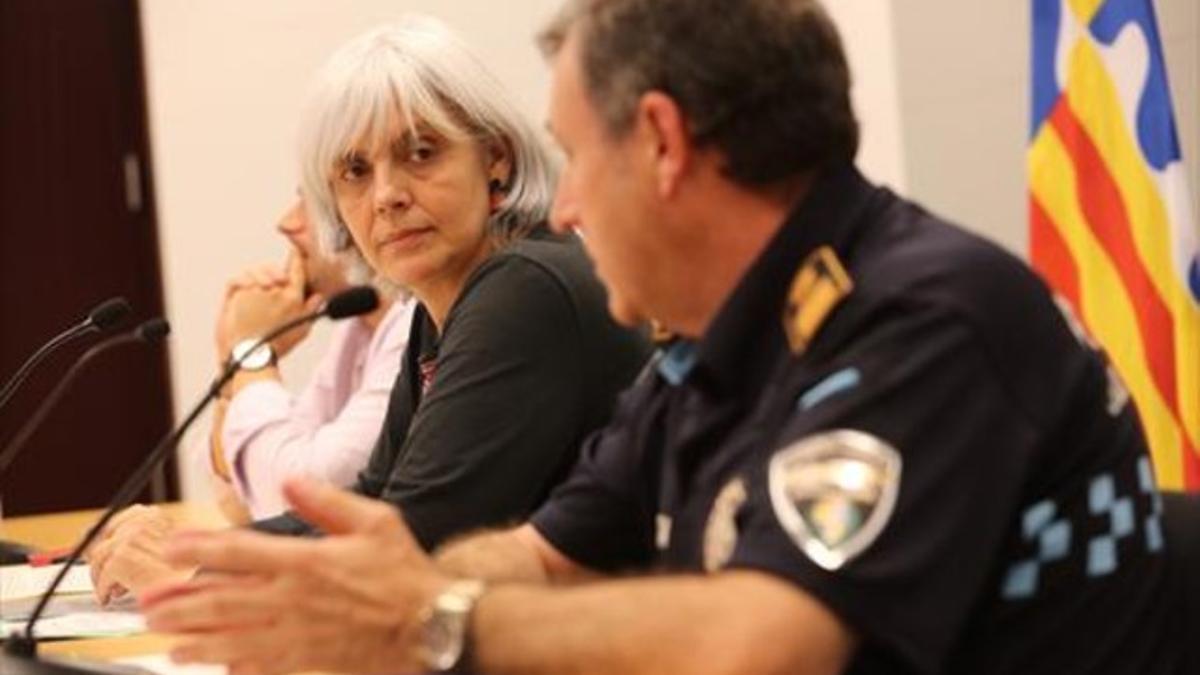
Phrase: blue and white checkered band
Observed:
(834, 492)
(1040, 523)
(1051, 529)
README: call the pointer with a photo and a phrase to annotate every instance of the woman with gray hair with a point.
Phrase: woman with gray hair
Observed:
(415, 162)
(418, 170)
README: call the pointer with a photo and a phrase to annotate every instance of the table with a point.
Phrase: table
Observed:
(56, 530)
(63, 529)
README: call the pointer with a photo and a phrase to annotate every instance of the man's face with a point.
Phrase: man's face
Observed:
(605, 192)
(322, 274)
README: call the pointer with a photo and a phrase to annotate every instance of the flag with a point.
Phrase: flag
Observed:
(1110, 219)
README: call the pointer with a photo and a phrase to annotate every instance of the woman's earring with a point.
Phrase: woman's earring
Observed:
(496, 191)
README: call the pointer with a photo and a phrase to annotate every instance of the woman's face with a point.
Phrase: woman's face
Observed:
(417, 206)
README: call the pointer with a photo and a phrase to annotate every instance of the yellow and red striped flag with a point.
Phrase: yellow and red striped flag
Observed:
(1111, 226)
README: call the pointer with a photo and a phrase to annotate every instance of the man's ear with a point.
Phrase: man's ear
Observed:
(664, 130)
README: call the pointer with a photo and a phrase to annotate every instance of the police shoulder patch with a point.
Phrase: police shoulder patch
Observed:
(834, 492)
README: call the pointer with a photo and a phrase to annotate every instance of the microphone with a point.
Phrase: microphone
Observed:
(348, 303)
(150, 332)
(106, 315)
(352, 302)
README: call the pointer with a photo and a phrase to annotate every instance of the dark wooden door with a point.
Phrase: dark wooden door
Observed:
(76, 226)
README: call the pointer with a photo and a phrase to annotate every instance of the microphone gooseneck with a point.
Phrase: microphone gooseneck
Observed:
(150, 331)
(352, 302)
(104, 316)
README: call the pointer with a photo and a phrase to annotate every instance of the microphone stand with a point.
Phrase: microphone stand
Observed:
(11, 552)
(141, 334)
(59, 340)
(24, 645)
(105, 315)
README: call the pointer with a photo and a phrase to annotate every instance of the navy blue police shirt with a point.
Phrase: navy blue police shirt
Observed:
(897, 417)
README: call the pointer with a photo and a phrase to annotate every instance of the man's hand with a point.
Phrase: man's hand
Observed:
(348, 602)
(128, 555)
(260, 299)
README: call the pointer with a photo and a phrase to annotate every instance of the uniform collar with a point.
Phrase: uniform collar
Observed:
(745, 337)
(676, 361)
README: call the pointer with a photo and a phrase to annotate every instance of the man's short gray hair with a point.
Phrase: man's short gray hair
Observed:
(418, 68)
(764, 81)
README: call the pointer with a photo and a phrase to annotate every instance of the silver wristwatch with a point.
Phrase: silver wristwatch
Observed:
(257, 360)
(444, 625)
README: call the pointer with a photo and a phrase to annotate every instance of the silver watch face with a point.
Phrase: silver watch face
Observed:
(257, 360)
(442, 641)
(444, 625)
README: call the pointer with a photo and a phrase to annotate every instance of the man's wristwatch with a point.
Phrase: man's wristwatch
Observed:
(257, 360)
(444, 625)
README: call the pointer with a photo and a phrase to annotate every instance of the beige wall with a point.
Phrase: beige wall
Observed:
(940, 87)
(868, 34)
(963, 71)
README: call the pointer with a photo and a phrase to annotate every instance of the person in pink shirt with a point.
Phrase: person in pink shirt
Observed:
(262, 433)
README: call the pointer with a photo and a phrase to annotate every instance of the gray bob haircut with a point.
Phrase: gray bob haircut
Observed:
(418, 68)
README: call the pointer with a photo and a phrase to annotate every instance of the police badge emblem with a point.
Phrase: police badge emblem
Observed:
(834, 492)
(720, 534)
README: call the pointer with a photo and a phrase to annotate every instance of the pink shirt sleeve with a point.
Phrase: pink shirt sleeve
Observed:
(329, 430)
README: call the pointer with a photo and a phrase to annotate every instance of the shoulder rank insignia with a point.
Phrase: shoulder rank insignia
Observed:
(818, 287)
(833, 493)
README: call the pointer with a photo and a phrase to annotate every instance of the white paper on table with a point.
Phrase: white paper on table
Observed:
(161, 664)
(24, 581)
(83, 625)
(22, 585)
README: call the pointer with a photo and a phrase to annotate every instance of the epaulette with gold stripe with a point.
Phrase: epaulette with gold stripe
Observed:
(820, 284)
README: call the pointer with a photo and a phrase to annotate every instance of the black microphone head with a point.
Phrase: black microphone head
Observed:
(109, 313)
(153, 330)
(352, 302)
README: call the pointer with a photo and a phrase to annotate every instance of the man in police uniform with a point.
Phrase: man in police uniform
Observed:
(876, 446)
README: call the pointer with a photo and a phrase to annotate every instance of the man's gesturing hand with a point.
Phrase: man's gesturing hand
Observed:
(265, 604)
